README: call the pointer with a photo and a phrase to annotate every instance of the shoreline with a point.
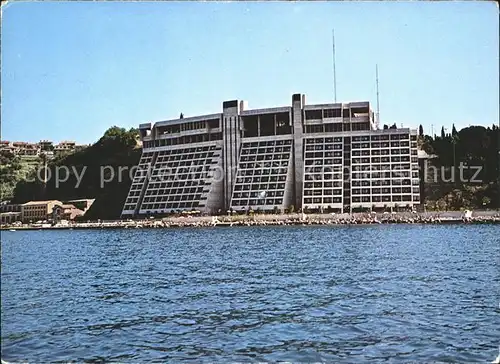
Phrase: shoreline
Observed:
(492, 217)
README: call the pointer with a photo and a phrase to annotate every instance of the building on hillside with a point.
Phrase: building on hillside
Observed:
(68, 145)
(21, 148)
(64, 147)
(80, 147)
(46, 145)
(25, 149)
(315, 157)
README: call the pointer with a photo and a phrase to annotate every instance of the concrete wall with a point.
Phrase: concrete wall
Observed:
(215, 198)
(231, 135)
(298, 157)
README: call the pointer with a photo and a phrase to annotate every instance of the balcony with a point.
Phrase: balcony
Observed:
(332, 120)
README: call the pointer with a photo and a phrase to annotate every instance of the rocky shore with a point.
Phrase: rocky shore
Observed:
(273, 220)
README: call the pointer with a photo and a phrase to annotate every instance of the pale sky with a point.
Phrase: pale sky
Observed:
(70, 70)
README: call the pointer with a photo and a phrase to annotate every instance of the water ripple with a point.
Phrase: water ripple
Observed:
(298, 294)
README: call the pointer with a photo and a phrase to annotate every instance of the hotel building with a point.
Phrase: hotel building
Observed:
(316, 157)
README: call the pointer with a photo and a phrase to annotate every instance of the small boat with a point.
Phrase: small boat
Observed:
(12, 229)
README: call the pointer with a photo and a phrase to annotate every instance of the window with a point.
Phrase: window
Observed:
(313, 114)
(331, 113)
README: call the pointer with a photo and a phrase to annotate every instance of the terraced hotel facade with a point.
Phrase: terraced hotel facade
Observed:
(325, 156)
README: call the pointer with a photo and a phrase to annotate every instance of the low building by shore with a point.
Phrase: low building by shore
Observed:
(49, 211)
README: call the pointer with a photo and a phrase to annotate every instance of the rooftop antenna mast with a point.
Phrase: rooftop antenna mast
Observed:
(334, 74)
(377, 122)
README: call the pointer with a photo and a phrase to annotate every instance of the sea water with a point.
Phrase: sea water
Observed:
(300, 294)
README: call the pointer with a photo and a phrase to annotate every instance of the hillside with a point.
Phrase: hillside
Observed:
(117, 148)
(14, 169)
(473, 149)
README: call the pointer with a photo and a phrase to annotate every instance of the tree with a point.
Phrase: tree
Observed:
(120, 137)
(441, 205)
(486, 201)
(421, 130)
(386, 127)
(6, 157)
(114, 132)
(181, 116)
(453, 131)
(393, 126)
(12, 170)
(443, 135)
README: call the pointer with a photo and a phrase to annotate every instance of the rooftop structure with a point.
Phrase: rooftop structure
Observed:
(323, 156)
(46, 147)
(82, 204)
